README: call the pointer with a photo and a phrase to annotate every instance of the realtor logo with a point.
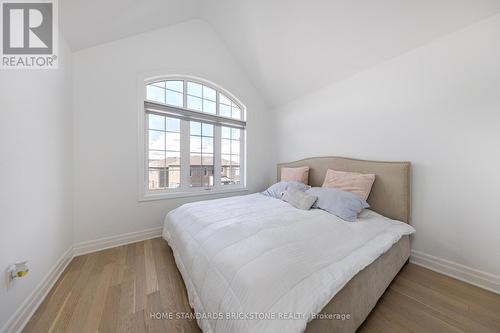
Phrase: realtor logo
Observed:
(29, 34)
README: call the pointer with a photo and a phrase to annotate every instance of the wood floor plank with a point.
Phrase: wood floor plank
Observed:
(456, 310)
(121, 265)
(140, 295)
(57, 298)
(81, 301)
(94, 313)
(139, 322)
(416, 316)
(111, 312)
(154, 306)
(83, 267)
(453, 287)
(151, 278)
(382, 321)
(58, 316)
(116, 290)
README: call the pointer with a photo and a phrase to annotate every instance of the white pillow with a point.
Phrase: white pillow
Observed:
(298, 198)
(277, 190)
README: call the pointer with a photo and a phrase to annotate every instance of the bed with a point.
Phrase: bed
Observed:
(256, 264)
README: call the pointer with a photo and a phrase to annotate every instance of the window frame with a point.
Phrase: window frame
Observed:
(185, 190)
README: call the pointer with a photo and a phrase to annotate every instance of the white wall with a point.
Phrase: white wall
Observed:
(36, 174)
(438, 107)
(105, 122)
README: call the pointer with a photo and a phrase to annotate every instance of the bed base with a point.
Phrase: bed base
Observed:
(360, 295)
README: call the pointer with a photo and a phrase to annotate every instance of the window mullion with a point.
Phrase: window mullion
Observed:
(242, 157)
(217, 156)
(185, 149)
(184, 95)
(217, 106)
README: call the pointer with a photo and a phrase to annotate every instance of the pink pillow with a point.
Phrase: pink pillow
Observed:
(356, 183)
(298, 174)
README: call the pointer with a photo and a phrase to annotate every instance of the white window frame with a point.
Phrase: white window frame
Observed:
(145, 194)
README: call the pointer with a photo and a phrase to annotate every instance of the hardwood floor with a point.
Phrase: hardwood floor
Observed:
(117, 290)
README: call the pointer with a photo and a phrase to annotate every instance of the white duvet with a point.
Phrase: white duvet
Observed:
(256, 264)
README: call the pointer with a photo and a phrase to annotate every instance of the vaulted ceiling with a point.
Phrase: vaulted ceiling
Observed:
(87, 23)
(287, 47)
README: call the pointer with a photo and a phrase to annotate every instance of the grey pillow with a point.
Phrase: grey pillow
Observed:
(343, 204)
(277, 190)
(298, 198)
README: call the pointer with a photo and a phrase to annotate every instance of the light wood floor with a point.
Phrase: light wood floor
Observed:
(115, 290)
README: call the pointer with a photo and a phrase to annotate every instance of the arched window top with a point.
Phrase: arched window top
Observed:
(195, 95)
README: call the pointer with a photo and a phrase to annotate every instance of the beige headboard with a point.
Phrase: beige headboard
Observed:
(390, 195)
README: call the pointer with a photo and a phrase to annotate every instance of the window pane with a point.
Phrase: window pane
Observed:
(173, 159)
(155, 94)
(207, 145)
(194, 103)
(156, 159)
(224, 100)
(224, 110)
(208, 93)
(156, 178)
(196, 174)
(162, 178)
(173, 177)
(230, 176)
(235, 147)
(173, 125)
(208, 130)
(209, 107)
(156, 122)
(195, 128)
(225, 160)
(194, 89)
(195, 159)
(174, 98)
(235, 133)
(236, 113)
(175, 85)
(236, 173)
(160, 84)
(156, 140)
(195, 144)
(207, 176)
(225, 146)
(235, 160)
(226, 132)
(207, 159)
(173, 141)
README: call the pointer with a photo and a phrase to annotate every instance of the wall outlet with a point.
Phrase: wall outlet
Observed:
(18, 270)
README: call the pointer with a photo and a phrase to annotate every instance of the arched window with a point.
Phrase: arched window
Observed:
(194, 137)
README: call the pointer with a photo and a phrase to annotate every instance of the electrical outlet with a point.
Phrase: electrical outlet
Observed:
(18, 270)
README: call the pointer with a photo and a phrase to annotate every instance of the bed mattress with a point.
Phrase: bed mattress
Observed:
(256, 264)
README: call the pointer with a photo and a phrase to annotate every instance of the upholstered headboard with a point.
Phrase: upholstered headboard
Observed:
(390, 194)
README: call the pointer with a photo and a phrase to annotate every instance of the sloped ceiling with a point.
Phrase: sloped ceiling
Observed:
(86, 23)
(287, 47)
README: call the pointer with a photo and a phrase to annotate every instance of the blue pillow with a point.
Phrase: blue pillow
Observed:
(277, 190)
(337, 202)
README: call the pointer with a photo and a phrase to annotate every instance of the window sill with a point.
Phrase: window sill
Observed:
(185, 194)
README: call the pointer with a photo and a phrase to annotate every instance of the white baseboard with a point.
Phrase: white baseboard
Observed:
(113, 241)
(19, 319)
(470, 275)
